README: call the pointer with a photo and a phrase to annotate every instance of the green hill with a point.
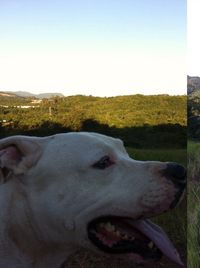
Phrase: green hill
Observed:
(141, 121)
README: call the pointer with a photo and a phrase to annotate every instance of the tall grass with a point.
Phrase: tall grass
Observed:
(193, 204)
(193, 246)
(193, 160)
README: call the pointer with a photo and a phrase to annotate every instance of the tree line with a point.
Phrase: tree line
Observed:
(141, 121)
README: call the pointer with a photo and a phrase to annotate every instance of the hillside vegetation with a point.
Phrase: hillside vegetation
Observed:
(193, 88)
(194, 115)
(141, 121)
(193, 84)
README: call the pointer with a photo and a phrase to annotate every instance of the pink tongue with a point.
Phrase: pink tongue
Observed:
(159, 237)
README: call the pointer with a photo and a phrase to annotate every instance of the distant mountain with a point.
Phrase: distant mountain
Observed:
(7, 94)
(48, 95)
(28, 94)
(23, 94)
(193, 84)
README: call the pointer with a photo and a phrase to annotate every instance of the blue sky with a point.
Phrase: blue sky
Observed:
(96, 47)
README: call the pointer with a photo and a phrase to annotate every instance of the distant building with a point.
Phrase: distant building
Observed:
(36, 101)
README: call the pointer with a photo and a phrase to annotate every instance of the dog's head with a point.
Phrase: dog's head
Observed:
(84, 188)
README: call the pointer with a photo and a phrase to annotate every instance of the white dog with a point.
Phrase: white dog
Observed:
(73, 190)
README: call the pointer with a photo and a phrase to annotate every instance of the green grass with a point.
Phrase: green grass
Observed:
(171, 155)
(193, 160)
(193, 207)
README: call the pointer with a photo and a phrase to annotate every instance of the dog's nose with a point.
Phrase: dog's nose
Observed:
(176, 173)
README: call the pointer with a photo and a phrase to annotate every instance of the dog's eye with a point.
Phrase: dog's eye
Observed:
(103, 163)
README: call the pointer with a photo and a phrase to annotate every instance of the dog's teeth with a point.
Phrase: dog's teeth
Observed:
(118, 233)
(124, 236)
(150, 245)
(112, 227)
(109, 227)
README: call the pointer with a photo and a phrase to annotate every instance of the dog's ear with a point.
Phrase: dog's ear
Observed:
(18, 154)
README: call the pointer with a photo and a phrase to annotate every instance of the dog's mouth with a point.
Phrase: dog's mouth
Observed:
(142, 240)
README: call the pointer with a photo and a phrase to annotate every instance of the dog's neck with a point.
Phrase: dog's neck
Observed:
(21, 245)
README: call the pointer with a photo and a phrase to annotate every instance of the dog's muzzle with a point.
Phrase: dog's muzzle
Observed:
(177, 174)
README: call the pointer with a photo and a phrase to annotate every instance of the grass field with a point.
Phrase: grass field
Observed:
(173, 222)
(193, 204)
(193, 160)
